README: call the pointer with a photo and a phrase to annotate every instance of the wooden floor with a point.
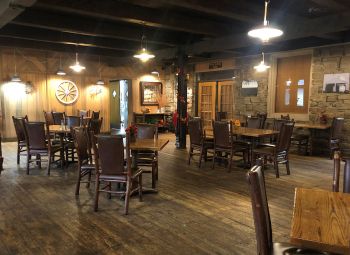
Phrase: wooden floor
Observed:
(197, 211)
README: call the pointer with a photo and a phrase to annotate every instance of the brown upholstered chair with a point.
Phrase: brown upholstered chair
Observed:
(336, 135)
(148, 158)
(69, 147)
(221, 116)
(49, 118)
(95, 115)
(110, 168)
(18, 122)
(254, 122)
(85, 166)
(84, 113)
(263, 117)
(262, 220)
(95, 126)
(198, 140)
(73, 121)
(224, 145)
(58, 117)
(39, 145)
(279, 152)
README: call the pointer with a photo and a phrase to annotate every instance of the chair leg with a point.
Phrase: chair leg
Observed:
(97, 193)
(77, 186)
(18, 152)
(109, 195)
(48, 163)
(287, 167)
(28, 159)
(153, 175)
(127, 196)
(213, 163)
(189, 155)
(140, 187)
(275, 165)
(230, 161)
(200, 157)
(89, 179)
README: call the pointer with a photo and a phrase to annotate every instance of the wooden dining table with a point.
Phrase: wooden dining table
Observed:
(61, 131)
(321, 220)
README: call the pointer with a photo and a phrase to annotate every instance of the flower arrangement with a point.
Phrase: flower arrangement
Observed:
(132, 130)
(237, 123)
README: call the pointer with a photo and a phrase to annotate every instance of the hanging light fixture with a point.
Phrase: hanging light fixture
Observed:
(143, 54)
(265, 32)
(60, 70)
(100, 81)
(15, 77)
(77, 67)
(155, 72)
(262, 67)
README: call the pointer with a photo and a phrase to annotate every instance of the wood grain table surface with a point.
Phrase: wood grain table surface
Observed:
(312, 125)
(321, 220)
(149, 144)
(250, 132)
(59, 129)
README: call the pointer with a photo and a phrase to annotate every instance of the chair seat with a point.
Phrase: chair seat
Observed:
(267, 145)
(264, 150)
(22, 143)
(88, 167)
(300, 137)
(288, 249)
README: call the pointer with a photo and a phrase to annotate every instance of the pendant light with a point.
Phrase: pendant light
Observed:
(262, 67)
(77, 67)
(143, 54)
(100, 81)
(265, 32)
(15, 77)
(60, 70)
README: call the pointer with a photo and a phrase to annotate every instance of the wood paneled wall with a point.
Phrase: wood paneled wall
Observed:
(39, 68)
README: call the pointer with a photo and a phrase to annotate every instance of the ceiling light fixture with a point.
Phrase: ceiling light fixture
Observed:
(265, 32)
(60, 70)
(100, 81)
(15, 77)
(154, 72)
(77, 67)
(143, 54)
(262, 67)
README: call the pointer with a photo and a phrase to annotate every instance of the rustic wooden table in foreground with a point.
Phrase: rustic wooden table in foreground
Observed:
(321, 220)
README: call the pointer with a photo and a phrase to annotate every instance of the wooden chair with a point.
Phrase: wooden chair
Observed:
(224, 146)
(95, 115)
(18, 122)
(69, 147)
(39, 145)
(110, 168)
(221, 116)
(279, 152)
(148, 158)
(336, 135)
(262, 220)
(49, 118)
(72, 121)
(263, 117)
(85, 166)
(84, 113)
(254, 122)
(58, 117)
(336, 173)
(95, 126)
(198, 141)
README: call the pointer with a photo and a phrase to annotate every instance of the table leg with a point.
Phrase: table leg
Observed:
(346, 180)
(312, 135)
(62, 149)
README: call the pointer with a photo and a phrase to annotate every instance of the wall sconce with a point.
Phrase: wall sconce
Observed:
(95, 90)
(29, 87)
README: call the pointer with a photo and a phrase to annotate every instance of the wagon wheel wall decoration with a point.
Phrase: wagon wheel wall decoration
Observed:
(67, 92)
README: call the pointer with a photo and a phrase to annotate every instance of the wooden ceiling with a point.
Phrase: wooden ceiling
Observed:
(204, 29)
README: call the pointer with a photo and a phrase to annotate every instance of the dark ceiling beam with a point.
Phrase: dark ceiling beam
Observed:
(10, 9)
(92, 27)
(44, 35)
(330, 4)
(49, 46)
(122, 11)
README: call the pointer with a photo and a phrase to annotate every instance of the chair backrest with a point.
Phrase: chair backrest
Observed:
(83, 113)
(95, 125)
(336, 171)
(254, 122)
(195, 130)
(18, 122)
(284, 137)
(110, 150)
(73, 121)
(81, 143)
(337, 128)
(285, 117)
(95, 115)
(220, 116)
(260, 208)
(277, 124)
(146, 131)
(35, 135)
(263, 117)
(221, 134)
(49, 118)
(57, 117)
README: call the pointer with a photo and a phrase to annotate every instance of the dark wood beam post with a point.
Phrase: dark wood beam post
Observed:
(181, 101)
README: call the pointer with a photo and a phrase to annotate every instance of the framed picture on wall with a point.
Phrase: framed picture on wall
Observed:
(150, 92)
(336, 83)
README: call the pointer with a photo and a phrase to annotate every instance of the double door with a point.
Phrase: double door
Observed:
(215, 97)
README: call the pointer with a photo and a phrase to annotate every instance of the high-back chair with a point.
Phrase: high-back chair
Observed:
(95, 125)
(58, 117)
(85, 166)
(262, 220)
(221, 116)
(254, 122)
(263, 117)
(95, 115)
(83, 113)
(280, 151)
(49, 118)
(223, 143)
(18, 122)
(110, 168)
(198, 140)
(39, 145)
(146, 158)
(336, 135)
(337, 170)
(73, 121)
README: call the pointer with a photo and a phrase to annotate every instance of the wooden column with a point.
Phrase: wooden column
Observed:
(181, 103)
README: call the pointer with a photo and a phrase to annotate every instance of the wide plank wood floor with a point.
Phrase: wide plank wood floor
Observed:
(197, 211)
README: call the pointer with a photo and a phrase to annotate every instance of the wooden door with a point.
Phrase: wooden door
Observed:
(292, 88)
(206, 102)
(225, 98)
